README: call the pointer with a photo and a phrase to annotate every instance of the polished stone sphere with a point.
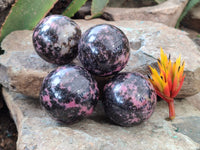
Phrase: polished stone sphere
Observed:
(129, 99)
(69, 94)
(56, 38)
(104, 50)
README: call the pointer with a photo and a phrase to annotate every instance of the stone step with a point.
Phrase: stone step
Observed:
(37, 131)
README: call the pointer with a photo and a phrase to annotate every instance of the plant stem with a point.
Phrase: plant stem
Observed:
(171, 110)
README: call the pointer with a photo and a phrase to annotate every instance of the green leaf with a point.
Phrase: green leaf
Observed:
(73, 7)
(97, 8)
(159, 1)
(25, 14)
(189, 6)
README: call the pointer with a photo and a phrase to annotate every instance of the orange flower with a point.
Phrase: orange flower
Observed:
(169, 81)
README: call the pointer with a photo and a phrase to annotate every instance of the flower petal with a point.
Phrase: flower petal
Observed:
(166, 90)
(175, 93)
(156, 78)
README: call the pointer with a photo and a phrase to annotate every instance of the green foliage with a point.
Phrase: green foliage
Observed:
(25, 14)
(159, 1)
(189, 6)
(97, 8)
(73, 7)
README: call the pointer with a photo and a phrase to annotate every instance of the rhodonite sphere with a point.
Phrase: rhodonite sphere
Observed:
(56, 38)
(104, 50)
(129, 99)
(69, 93)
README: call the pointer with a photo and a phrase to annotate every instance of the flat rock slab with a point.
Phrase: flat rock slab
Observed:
(37, 131)
(188, 126)
(195, 100)
(167, 12)
(22, 70)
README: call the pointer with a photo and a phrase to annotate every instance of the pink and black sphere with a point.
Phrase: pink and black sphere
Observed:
(104, 50)
(69, 93)
(129, 99)
(56, 38)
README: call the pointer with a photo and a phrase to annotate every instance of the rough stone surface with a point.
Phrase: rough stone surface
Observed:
(167, 12)
(188, 126)
(195, 100)
(197, 41)
(22, 70)
(36, 130)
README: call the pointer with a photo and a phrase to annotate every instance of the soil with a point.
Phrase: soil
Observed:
(8, 131)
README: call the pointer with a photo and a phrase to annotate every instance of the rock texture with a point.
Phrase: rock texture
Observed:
(167, 12)
(22, 70)
(37, 131)
(195, 100)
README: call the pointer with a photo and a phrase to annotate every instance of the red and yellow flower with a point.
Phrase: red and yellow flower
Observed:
(169, 80)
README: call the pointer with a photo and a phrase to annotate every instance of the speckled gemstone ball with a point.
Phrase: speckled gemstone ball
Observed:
(129, 99)
(69, 94)
(104, 50)
(56, 38)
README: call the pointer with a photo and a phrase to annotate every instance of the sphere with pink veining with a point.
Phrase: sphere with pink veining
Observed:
(69, 94)
(129, 99)
(104, 50)
(56, 38)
